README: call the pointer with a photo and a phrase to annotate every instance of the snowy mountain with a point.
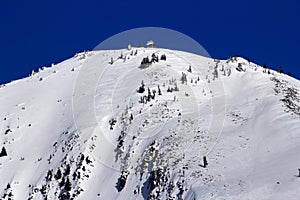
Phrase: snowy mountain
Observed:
(136, 124)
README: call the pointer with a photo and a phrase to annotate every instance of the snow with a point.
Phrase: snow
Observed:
(234, 114)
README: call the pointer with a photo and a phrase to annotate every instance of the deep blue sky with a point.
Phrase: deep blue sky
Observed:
(38, 33)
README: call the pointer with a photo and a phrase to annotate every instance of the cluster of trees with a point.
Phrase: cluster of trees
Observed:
(122, 57)
(290, 95)
(8, 193)
(215, 73)
(240, 68)
(183, 78)
(121, 139)
(265, 69)
(112, 122)
(163, 57)
(171, 89)
(141, 88)
(63, 177)
(150, 95)
(279, 70)
(134, 53)
(7, 131)
(154, 58)
(122, 180)
(146, 62)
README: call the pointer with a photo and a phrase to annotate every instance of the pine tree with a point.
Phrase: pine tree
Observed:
(205, 163)
(149, 95)
(265, 68)
(176, 88)
(68, 185)
(280, 69)
(68, 170)
(190, 69)
(215, 73)
(49, 175)
(229, 72)
(142, 88)
(3, 152)
(159, 91)
(62, 183)
(111, 61)
(131, 117)
(58, 174)
(74, 176)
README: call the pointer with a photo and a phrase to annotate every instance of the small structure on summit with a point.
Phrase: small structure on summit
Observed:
(129, 47)
(151, 44)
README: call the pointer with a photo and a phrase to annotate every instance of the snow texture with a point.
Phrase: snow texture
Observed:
(136, 123)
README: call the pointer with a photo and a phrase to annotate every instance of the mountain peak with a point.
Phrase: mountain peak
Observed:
(150, 123)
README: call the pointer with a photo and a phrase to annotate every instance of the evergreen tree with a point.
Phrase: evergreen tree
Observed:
(68, 185)
(205, 163)
(62, 183)
(280, 69)
(159, 91)
(58, 174)
(3, 152)
(49, 175)
(265, 68)
(142, 88)
(176, 88)
(74, 176)
(68, 170)
(190, 69)
(131, 117)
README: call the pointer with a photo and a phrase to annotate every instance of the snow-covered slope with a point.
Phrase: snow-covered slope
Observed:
(86, 129)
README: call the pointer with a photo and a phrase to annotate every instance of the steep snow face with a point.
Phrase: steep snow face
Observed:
(136, 124)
